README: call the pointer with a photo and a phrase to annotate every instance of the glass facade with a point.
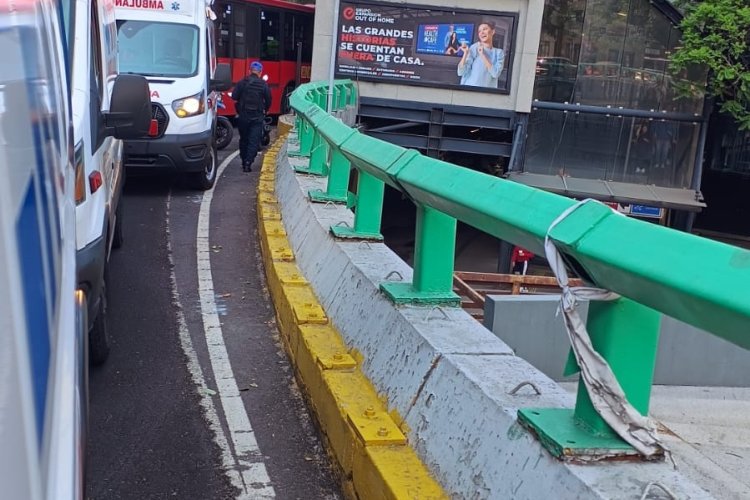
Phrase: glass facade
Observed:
(612, 54)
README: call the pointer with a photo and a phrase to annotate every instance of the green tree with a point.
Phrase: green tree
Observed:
(716, 34)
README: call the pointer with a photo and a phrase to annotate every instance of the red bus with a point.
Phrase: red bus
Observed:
(278, 34)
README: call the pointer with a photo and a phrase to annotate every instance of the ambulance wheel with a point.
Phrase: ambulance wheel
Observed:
(99, 333)
(224, 132)
(117, 238)
(205, 180)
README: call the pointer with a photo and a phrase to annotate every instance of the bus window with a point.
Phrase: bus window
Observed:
(297, 30)
(269, 36)
(303, 32)
(239, 19)
(223, 39)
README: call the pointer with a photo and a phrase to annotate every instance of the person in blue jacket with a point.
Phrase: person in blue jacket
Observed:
(482, 63)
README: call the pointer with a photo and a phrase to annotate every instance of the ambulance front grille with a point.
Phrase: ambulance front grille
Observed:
(161, 117)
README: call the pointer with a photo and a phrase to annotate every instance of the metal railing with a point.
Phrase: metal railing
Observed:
(654, 269)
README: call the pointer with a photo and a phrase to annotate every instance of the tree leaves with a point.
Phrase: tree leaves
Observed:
(716, 34)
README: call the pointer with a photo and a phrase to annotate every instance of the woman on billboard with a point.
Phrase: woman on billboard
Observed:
(482, 63)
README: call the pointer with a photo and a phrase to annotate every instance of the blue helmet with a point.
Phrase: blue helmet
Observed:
(256, 66)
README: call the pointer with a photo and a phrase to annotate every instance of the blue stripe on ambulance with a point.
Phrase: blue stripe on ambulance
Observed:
(34, 237)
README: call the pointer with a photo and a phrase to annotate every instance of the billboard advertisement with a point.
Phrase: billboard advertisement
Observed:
(428, 46)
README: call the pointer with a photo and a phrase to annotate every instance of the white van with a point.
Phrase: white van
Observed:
(42, 318)
(172, 45)
(43, 315)
(90, 26)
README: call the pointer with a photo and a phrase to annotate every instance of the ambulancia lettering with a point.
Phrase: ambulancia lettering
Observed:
(140, 4)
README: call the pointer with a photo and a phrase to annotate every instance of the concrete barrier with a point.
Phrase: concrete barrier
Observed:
(445, 379)
(687, 355)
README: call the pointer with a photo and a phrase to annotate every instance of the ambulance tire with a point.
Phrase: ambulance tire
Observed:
(205, 180)
(117, 238)
(99, 333)
(224, 132)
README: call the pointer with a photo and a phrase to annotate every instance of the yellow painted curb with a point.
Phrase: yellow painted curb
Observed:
(370, 449)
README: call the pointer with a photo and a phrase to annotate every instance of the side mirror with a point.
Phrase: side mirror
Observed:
(222, 80)
(129, 114)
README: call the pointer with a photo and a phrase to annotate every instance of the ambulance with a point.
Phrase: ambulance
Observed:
(171, 43)
(106, 108)
(42, 316)
(43, 313)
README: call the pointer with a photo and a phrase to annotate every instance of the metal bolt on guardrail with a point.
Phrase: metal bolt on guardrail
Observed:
(700, 282)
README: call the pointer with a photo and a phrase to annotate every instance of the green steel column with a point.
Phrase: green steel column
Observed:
(433, 262)
(341, 101)
(318, 164)
(306, 134)
(368, 212)
(626, 334)
(338, 180)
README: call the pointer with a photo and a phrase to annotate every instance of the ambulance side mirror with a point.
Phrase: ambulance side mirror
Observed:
(129, 114)
(222, 80)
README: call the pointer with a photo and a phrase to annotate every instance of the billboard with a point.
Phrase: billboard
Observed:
(424, 45)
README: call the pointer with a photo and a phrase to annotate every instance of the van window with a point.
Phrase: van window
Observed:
(158, 49)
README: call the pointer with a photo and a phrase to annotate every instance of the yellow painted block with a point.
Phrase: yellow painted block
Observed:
(344, 392)
(305, 305)
(393, 473)
(274, 228)
(268, 198)
(289, 274)
(280, 251)
(267, 176)
(327, 349)
(375, 428)
(266, 187)
(269, 212)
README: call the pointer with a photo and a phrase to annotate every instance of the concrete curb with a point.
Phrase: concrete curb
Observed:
(366, 443)
(444, 377)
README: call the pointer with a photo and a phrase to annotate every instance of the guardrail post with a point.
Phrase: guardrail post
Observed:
(368, 212)
(434, 256)
(626, 334)
(306, 134)
(318, 164)
(337, 189)
(341, 96)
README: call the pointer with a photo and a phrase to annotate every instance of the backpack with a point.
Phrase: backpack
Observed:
(251, 102)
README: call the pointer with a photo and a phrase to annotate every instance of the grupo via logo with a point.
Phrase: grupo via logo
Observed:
(349, 13)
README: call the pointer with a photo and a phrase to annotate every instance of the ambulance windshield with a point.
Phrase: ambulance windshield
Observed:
(158, 49)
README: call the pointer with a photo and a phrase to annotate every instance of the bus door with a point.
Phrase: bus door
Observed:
(270, 53)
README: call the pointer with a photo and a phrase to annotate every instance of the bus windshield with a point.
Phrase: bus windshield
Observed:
(151, 48)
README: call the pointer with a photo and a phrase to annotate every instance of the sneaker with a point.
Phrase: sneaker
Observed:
(247, 166)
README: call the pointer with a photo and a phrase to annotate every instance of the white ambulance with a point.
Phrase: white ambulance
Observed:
(171, 43)
(105, 107)
(43, 316)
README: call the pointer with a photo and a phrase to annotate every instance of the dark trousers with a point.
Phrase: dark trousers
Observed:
(251, 134)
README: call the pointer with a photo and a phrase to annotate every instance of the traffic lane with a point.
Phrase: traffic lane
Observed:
(147, 434)
(288, 440)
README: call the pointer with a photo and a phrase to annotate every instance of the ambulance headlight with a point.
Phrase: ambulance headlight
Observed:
(189, 106)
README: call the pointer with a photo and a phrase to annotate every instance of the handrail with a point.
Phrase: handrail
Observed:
(699, 281)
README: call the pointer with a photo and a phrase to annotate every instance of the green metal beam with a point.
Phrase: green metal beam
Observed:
(695, 280)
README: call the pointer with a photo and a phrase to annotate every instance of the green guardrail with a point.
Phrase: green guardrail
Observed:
(654, 269)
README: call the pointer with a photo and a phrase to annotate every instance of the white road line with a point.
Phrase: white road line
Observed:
(243, 462)
(247, 455)
(194, 366)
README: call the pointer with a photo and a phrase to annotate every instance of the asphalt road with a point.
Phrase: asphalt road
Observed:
(159, 425)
